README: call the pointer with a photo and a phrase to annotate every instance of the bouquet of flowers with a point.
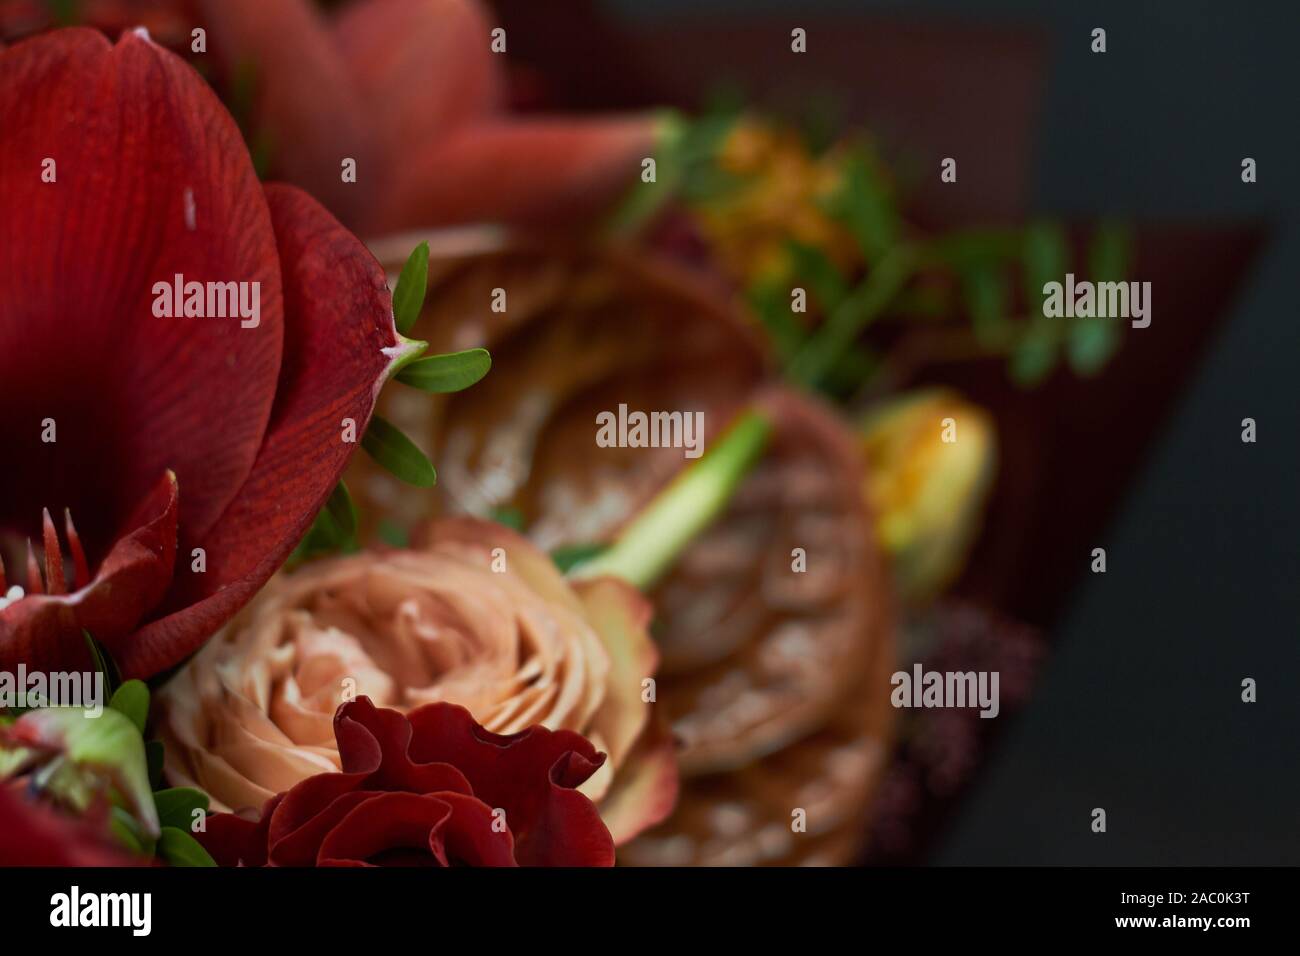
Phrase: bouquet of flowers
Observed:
(415, 478)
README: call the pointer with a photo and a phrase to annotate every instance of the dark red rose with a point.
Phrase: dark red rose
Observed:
(160, 436)
(429, 788)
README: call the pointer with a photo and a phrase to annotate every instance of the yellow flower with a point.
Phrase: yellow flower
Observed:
(931, 457)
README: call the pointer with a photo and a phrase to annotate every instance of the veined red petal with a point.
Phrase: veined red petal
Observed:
(523, 171)
(342, 343)
(121, 171)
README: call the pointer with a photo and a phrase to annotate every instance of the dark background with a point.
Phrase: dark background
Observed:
(1139, 710)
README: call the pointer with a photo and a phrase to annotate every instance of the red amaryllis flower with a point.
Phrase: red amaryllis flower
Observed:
(429, 788)
(193, 451)
(412, 91)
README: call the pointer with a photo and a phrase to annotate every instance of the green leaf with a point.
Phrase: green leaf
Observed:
(984, 290)
(178, 848)
(1091, 343)
(1034, 355)
(865, 208)
(412, 284)
(386, 444)
(1046, 259)
(103, 663)
(342, 512)
(176, 806)
(1109, 252)
(512, 518)
(771, 304)
(126, 831)
(154, 757)
(132, 699)
(393, 534)
(108, 745)
(812, 266)
(447, 373)
(571, 555)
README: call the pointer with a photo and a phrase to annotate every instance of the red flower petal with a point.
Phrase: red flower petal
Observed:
(151, 180)
(423, 67)
(342, 343)
(35, 835)
(395, 829)
(531, 775)
(527, 171)
(44, 631)
(234, 840)
(310, 117)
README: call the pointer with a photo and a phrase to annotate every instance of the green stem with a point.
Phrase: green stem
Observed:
(659, 534)
(815, 359)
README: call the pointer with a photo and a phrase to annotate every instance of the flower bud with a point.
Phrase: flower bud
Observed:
(931, 456)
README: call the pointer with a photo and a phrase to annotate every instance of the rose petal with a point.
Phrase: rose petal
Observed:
(404, 825)
(532, 776)
(622, 617)
(152, 181)
(339, 323)
(645, 790)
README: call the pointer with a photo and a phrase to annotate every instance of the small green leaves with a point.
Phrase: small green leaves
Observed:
(334, 530)
(1091, 342)
(864, 205)
(386, 444)
(447, 373)
(984, 289)
(812, 266)
(412, 284)
(1046, 258)
(1034, 354)
(176, 806)
(342, 512)
(132, 700)
(178, 848)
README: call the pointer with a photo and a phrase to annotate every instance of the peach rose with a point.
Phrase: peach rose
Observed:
(499, 632)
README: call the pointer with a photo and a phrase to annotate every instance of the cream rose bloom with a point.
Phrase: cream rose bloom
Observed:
(499, 632)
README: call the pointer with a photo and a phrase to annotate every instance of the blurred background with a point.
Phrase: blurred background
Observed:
(1139, 709)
